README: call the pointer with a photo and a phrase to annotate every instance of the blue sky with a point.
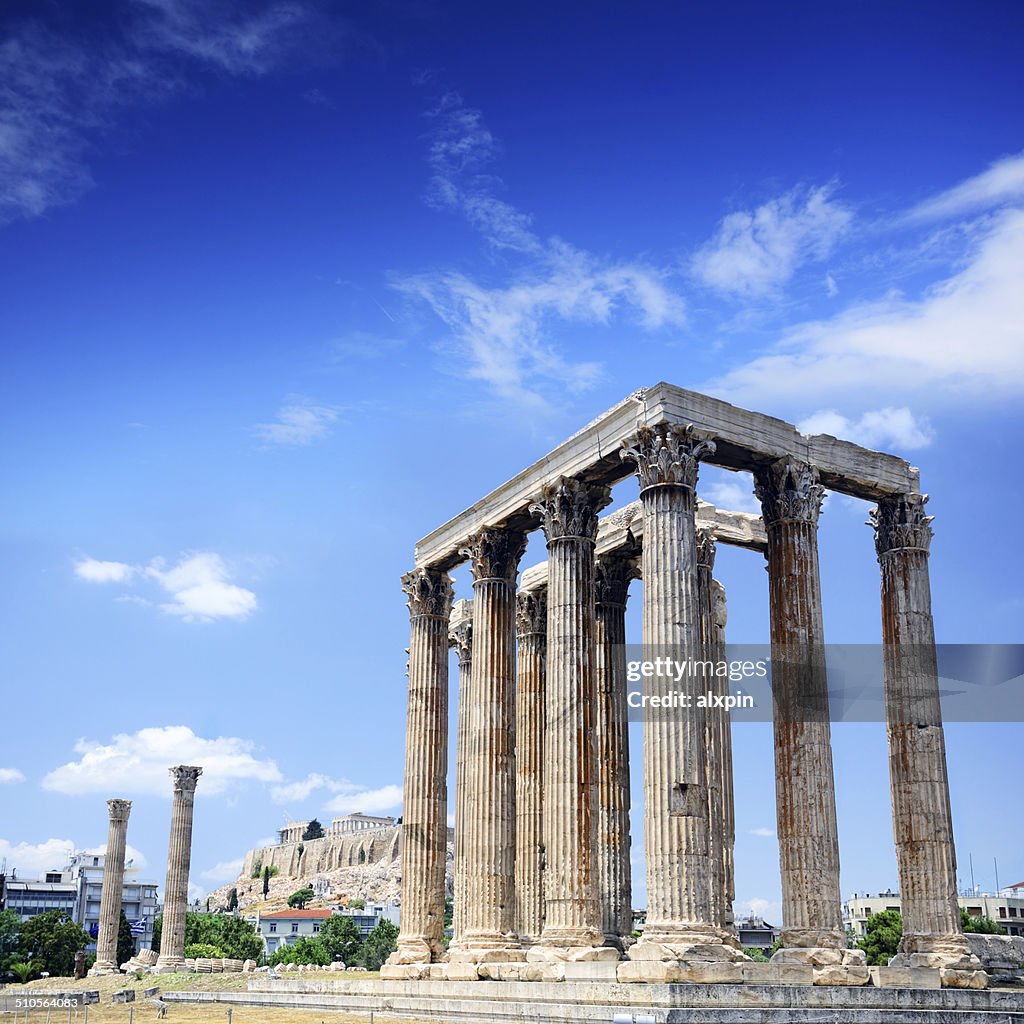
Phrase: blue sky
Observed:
(285, 286)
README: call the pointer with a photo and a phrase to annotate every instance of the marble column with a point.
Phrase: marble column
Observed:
(922, 822)
(425, 800)
(791, 498)
(680, 923)
(717, 734)
(615, 890)
(112, 891)
(490, 810)
(532, 629)
(460, 636)
(728, 825)
(572, 916)
(179, 858)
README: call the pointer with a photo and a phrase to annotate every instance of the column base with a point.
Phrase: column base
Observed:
(169, 965)
(687, 944)
(949, 952)
(416, 951)
(487, 949)
(101, 968)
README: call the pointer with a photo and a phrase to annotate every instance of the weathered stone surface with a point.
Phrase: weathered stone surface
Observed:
(460, 636)
(963, 979)
(179, 859)
(125, 995)
(112, 888)
(904, 977)
(839, 975)
(997, 952)
(778, 974)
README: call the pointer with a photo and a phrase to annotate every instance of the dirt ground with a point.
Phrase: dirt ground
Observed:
(143, 1011)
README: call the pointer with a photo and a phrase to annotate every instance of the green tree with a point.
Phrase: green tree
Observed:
(195, 950)
(51, 940)
(379, 945)
(239, 939)
(24, 972)
(232, 899)
(882, 934)
(305, 950)
(10, 923)
(314, 830)
(356, 904)
(984, 925)
(339, 935)
(257, 869)
(266, 882)
(125, 940)
(300, 898)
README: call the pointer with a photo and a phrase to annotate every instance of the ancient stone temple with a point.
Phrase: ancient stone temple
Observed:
(542, 866)
(112, 888)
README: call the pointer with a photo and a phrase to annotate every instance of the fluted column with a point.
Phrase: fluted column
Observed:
(460, 636)
(719, 613)
(791, 500)
(112, 891)
(680, 922)
(615, 890)
(922, 821)
(532, 629)
(425, 800)
(490, 809)
(179, 858)
(717, 733)
(572, 916)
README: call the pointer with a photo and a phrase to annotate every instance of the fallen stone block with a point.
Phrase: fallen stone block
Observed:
(125, 995)
(904, 977)
(963, 979)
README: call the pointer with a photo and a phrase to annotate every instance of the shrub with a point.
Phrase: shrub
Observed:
(203, 950)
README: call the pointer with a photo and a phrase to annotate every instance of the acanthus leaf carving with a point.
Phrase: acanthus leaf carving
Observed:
(494, 553)
(788, 491)
(900, 522)
(569, 508)
(429, 592)
(532, 612)
(667, 454)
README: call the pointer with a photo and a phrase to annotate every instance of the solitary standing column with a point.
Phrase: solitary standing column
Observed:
(179, 858)
(791, 498)
(615, 890)
(572, 916)
(490, 809)
(717, 730)
(460, 636)
(922, 822)
(111, 893)
(680, 924)
(532, 628)
(425, 802)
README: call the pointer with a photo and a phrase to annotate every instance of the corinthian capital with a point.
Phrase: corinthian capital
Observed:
(899, 522)
(667, 454)
(569, 508)
(789, 492)
(185, 777)
(429, 591)
(531, 612)
(119, 809)
(461, 638)
(494, 553)
(612, 574)
(706, 548)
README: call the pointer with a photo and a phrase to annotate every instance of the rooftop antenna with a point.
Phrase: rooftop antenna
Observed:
(974, 888)
(996, 865)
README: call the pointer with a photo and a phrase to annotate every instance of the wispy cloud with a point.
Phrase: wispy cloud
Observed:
(754, 252)
(898, 427)
(961, 337)
(502, 334)
(137, 763)
(370, 801)
(1002, 182)
(726, 490)
(224, 871)
(765, 833)
(95, 571)
(62, 92)
(9, 775)
(300, 421)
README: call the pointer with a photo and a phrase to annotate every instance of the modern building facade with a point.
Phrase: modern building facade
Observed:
(1006, 908)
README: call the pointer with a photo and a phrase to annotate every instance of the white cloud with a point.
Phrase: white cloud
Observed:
(877, 428)
(299, 422)
(766, 833)
(132, 857)
(11, 775)
(300, 790)
(225, 871)
(62, 92)
(368, 802)
(500, 334)
(135, 763)
(1002, 182)
(95, 571)
(733, 492)
(200, 589)
(831, 288)
(32, 859)
(752, 254)
(962, 338)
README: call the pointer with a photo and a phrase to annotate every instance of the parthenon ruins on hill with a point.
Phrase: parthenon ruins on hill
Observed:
(542, 868)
